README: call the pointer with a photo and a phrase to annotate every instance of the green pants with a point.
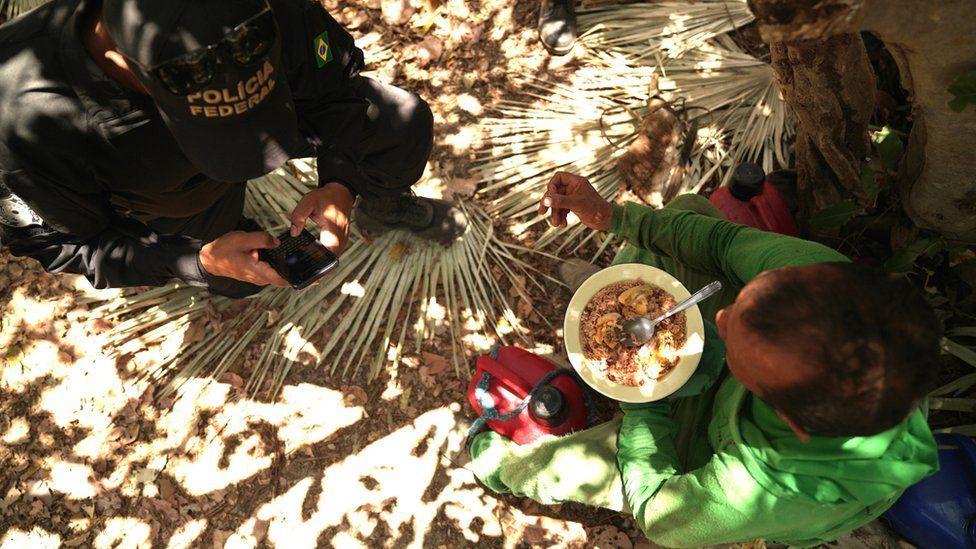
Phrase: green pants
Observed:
(582, 467)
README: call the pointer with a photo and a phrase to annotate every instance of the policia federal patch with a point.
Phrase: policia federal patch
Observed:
(323, 50)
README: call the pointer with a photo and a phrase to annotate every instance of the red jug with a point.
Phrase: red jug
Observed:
(758, 201)
(507, 377)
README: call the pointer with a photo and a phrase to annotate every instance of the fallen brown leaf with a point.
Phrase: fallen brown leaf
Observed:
(76, 541)
(220, 538)
(460, 187)
(354, 395)
(435, 363)
(233, 380)
(397, 12)
(216, 321)
(608, 537)
(353, 18)
(426, 52)
(534, 534)
(261, 529)
(166, 489)
(196, 332)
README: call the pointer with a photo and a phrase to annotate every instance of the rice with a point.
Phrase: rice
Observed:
(603, 319)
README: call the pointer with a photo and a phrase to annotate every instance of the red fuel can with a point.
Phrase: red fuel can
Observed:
(558, 407)
(758, 201)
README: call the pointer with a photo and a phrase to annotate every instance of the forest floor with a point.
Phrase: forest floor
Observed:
(92, 458)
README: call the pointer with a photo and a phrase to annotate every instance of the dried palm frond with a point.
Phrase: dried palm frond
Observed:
(949, 397)
(738, 102)
(12, 8)
(380, 53)
(646, 30)
(360, 314)
(584, 125)
(967, 430)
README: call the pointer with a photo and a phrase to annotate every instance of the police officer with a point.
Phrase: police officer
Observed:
(128, 129)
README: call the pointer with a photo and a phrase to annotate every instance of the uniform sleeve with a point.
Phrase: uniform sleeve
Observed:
(71, 232)
(323, 61)
(715, 246)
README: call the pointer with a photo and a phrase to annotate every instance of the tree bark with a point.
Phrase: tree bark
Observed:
(821, 65)
(830, 86)
(792, 20)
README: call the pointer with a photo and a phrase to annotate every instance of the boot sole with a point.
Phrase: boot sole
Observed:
(557, 53)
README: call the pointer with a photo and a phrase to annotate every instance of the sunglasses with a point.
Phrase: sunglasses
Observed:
(247, 43)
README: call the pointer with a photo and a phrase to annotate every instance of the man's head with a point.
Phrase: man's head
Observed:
(213, 68)
(838, 349)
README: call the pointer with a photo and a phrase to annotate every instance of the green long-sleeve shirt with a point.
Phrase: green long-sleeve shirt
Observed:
(761, 482)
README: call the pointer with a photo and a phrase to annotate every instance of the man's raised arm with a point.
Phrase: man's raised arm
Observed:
(735, 252)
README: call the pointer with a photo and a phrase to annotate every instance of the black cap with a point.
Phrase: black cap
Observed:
(548, 406)
(243, 124)
(747, 181)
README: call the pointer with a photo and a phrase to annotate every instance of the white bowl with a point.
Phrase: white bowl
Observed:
(690, 352)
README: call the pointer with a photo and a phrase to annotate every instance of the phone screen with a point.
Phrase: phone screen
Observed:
(300, 260)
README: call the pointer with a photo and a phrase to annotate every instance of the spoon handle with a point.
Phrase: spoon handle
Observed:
(700, 295)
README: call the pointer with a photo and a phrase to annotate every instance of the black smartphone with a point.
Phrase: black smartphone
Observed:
(301, 260)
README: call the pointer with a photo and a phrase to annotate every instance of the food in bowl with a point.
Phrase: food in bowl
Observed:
(602, 323)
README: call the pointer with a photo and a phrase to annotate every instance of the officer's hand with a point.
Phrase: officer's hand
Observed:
(572, 193)
(235, 255)
(330, 208)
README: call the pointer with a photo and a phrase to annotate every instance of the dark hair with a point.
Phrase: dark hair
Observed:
(873, 340)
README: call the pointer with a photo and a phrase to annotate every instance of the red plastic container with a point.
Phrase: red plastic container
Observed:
(752, 199)
(559, 407)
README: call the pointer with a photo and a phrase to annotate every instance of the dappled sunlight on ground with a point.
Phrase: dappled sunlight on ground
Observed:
(110, 465)
(93, 457)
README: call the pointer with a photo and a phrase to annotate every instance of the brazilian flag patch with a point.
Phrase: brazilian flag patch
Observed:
(323, 50)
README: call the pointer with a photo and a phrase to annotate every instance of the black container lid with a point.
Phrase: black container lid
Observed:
(747, 181)
(548, 406)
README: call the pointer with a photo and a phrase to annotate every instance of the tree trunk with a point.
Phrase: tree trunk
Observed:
(826, 78)
(824, 81)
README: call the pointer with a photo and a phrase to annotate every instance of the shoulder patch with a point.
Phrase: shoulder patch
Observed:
(323, 50)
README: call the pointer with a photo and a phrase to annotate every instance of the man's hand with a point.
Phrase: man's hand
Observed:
(235, 255)
(329, 208)
(572, 193)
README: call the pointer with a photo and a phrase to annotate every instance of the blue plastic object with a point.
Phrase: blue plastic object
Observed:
(940, 511)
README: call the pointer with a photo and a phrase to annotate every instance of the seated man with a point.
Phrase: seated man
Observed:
(816, 428)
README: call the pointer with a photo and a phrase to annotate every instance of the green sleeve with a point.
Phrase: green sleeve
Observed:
(714, 504)
(645, 452)
(717, 503)
(716, 246)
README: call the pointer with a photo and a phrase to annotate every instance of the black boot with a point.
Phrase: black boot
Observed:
(428, 218)
(557, 25)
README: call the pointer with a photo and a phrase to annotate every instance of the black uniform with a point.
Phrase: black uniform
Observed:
(92, 181)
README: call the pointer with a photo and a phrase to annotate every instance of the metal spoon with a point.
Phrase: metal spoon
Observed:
(638, 331)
